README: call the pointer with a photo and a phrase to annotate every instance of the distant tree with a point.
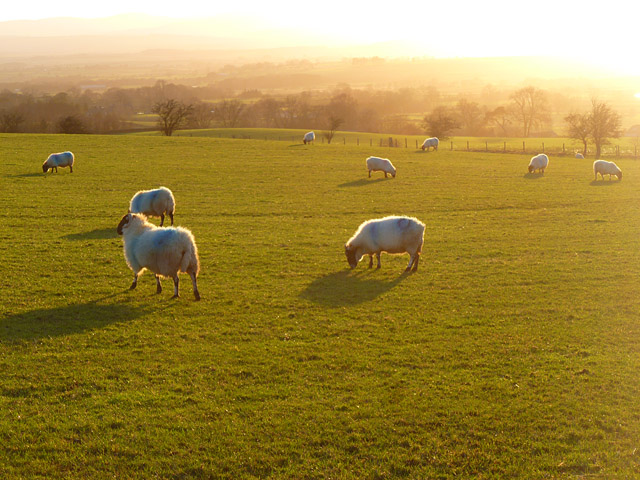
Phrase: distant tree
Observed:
(530, 107)
(172, 115)
(604, 123)
(71, 124)
(332, 125)
(579, 127)
(10, 122)
(440, 122)
(499, 117)
(470, 116)
(228, 112)
(201, 115)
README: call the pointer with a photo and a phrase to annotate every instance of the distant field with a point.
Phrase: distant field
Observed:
(624, 147)
(513, 352)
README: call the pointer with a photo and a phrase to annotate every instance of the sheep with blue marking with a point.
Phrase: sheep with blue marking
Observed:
(538, 163)
(164, 251)
(430, 142)
(377, 164)
(603, 168)
(579, 155)
(154, 203)
(392, 234)
(309, 137)
(55, 160)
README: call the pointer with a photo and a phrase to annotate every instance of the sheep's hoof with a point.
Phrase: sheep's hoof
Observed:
(197, 295)
(133, 286)
(175, 296)
(158, 291)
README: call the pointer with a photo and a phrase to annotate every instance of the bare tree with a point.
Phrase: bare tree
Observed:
(172, 115)
(440, 122)
(529, 107)
(604, 123)
(10, 122)
(470, 116)
(579, 128)
(333, 125)
(499, 117)
(228, 112)
(201, 115)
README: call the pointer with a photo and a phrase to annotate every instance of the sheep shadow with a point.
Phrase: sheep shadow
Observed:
(533, 176)
(97, 234)
(345, 288)
(363, 181)
(65, 320)
(297, 145)
(26, 175)
(603, 183)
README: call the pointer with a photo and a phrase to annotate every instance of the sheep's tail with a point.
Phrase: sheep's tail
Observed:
(190, 261)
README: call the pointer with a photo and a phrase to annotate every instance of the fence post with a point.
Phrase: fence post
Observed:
(452, 145)
(563, 149)
(505, 147)
(371, 142)
(542, 147)
(405, 142)
(344, 140)
(486, 146)
(416, 144)
(467, 145)
(523, 146)
(358, 141)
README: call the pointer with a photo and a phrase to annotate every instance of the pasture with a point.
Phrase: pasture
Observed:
(514, 351)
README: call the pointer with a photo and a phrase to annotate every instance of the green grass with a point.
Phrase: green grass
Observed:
(512, 353)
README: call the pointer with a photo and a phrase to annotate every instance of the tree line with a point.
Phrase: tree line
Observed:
(527, 112)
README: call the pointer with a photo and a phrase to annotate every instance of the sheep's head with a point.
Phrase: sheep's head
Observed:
(45, 167)
(531, 169)
(123, 223)
(393, 173)
(351, 256)
(423, 147)
(619, 175)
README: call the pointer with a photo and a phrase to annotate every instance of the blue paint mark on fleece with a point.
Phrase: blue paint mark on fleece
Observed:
(163, 237)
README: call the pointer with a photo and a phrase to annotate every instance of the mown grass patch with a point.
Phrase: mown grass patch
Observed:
(512, 352)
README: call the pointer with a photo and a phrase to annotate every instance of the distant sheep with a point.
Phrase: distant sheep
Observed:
(308, 137)
(55, 160)
(538, 163)
(377, 164)
(164, 251)
(388, 234)
(579, 155)
(430, 142)
(603, 168)
(154, 203)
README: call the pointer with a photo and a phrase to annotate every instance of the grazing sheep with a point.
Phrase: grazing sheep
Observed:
(431, 142)
(377, 164)
(388, 234)
(164, 251)
(579, 155)
(603, 168)
(538, 163)
(154, 203)
(308, 137)
(55, 160)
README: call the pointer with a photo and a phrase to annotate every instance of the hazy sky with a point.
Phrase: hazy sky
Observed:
(605, 32)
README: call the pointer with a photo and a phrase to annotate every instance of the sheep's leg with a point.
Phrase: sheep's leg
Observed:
(171, 216)
(176, 282)
(369, 173)
(161, 219)
(370, 260)
(416, 259)
(71, 168)
(385, 175)
(135, 281)
(158, 286)
(195, 285)
(378, 258)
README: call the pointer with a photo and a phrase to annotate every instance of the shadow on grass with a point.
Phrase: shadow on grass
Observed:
(533, 176)
(24, 175)
(297, 145)
(348, 288)
(603, 183)
(97, 234)
(66, 320)
(362, 182)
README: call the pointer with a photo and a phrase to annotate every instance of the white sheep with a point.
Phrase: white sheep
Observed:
(603, 168)
(164, 251)
(55, 160)
(579, 155)
(389, 234)
(377, 164)
(154, 203)
(538, 163)
(308, 137)
(430, 142)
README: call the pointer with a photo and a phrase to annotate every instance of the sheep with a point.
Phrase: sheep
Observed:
(431, 142)
(55, 160)
(308, 137)
(603, 168)
(579, 155)
(377, 164)
(154, 203)
(391, 234)
(164, 251)
(538, 163)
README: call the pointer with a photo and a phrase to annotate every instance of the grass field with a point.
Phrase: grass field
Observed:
(513, 352)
